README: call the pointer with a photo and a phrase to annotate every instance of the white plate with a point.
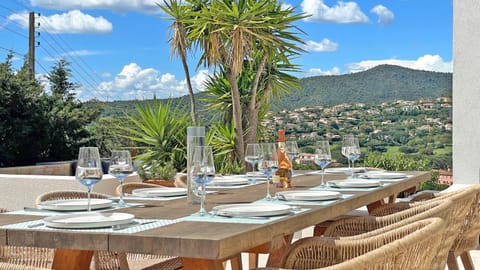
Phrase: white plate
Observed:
(88, 220)
(159, 192)
(229, 181)
(345, 170)
(308, 195)
(354, 183)
(383, 175)
(252, 210)
(75, 205)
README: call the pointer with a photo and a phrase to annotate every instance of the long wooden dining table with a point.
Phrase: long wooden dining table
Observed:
(200, 244)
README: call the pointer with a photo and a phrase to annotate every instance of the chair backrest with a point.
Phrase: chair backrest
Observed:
(67, 195)
(411, 246)
(467, 238)
(128, 187)
(355, 226)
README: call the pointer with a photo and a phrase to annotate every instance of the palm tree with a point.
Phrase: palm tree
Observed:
(231, 32)
(180, 44)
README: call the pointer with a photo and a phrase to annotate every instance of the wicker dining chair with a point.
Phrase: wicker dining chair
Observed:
(453, 216)
(25, 258)
(10, 266)
(106, 260)
(411, 246)
(468, 236)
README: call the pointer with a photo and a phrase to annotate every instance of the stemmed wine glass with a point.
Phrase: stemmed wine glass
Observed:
(89, 169)
(323, 157)
(292, 151)
(253, 155)
(120, 166)
(345, 142)
(203, 171)
(353, 151)
(269, 164)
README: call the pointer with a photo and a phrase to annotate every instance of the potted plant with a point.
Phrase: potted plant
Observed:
(157, 172)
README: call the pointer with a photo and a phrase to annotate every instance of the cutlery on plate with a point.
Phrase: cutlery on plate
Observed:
(130, 225)
(35, 225)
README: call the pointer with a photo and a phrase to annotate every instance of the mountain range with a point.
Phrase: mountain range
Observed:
(379, 84)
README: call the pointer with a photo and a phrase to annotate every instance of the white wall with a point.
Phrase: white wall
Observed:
(466, 91)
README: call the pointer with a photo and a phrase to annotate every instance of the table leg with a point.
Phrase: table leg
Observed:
(69, 259)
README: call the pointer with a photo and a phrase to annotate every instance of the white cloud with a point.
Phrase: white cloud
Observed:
(317, 72)
(325, 45)
(385, 16)
(72, 22)
(134, 82)
(122, 6)
(342, 12)
(426, 62)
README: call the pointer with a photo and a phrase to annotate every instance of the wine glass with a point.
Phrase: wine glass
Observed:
(292, 151)
(253, 155)
(323, 157)
(120, 166)
(353, 151)
(89, 169)
(203, 171)
(269, 164)
(345, 142)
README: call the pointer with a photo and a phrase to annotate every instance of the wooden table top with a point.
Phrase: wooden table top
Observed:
(202, 240)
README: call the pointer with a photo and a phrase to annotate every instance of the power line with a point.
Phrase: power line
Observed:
(10, 50)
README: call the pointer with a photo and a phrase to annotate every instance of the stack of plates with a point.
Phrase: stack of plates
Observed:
(231, 180)
(88, 220)
(159, 192)
(75, 204)
(308, 195)
(251, 210)
(360, 183)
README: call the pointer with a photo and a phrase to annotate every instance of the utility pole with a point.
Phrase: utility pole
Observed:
(31, 45)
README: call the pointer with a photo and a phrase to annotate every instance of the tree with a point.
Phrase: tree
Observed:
(22, 117)
(180, 44)
(68, 118)
(231, 32)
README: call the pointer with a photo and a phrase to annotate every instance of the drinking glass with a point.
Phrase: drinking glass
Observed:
(89, 169)
(253, 154)
(292, 151)
(345, 144)
(323, 157)
(353, 151)
(203, 171)
(120, 166)
(269, 164)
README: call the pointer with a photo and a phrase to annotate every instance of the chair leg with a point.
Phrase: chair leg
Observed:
(452, 261)
(236, 262)
(467, 261)
(252, 260)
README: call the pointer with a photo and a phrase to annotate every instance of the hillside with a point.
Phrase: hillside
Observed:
(376, 85)
(379, 84)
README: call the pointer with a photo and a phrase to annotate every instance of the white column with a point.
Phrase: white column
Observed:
(466, 91)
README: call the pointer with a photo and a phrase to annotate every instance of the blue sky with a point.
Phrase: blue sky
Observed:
(118, 49)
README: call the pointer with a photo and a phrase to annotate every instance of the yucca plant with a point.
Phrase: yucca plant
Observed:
(221, 138)
(160, 131)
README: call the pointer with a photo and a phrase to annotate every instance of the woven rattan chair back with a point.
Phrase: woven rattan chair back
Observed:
(450, 209)
(411, 246)
(467, 238)
(463, 222)
(129, 187)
